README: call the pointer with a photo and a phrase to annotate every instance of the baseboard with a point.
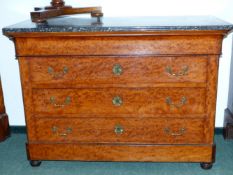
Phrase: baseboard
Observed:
(18, 129)
(22, 130)
(218, 130)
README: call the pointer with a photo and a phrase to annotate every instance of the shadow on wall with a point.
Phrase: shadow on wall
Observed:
(230, 93)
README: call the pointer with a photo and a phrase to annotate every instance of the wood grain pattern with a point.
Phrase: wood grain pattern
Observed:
(213, 64)
(143, 86)
(101, 152)
(135, 70)
(136, 130)
(134, 101)
(58, 8)
(27, 97)
(127, 45)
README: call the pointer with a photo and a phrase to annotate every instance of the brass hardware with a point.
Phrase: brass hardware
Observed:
(182, 102)
(117, 69)
(179, 133)
(117, 101)
(66, 102)
(68, 131)
(58, 74)
(184, 71)
(119, 129)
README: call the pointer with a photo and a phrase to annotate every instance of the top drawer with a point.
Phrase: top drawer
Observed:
(118, 45)
(118, 70)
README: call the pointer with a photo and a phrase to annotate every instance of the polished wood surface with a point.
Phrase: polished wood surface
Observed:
(58, 8)
(135, 130)
(103, 152)
(134, 101)
(167, 84)
(134, 70)
(118, 45)
(4, 123)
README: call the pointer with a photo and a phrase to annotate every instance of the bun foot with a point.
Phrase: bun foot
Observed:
(35, 163)
(206, 166)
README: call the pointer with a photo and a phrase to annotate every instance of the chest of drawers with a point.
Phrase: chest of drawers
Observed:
(107, 92)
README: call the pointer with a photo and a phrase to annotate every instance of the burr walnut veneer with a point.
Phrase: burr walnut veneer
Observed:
(135, 94)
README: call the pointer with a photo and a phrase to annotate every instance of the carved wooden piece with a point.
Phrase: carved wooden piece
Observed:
(58, 8)
(69, 95)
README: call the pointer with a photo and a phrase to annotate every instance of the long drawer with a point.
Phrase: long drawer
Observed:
(118, 70)
(121, 130)
(109, 101)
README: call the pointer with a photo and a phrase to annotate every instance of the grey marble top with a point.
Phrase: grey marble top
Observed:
(106, 24)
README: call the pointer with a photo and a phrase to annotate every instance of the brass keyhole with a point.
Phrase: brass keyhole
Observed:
(117, 69)
(119, 129)
(117, 101)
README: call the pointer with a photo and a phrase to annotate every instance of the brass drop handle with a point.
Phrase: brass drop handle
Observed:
(68, 131)
(179, 133)
(179, 105)
(117, 101)
(118, 129)
(117, 69)
(184, 71)
(55, 104)
(57, 75)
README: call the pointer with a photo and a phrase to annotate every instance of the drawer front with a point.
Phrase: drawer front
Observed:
(113, 70)
(120, 130)
(112, 101)
(119, 45)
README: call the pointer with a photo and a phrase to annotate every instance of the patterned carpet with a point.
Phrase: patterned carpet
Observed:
(13, 161)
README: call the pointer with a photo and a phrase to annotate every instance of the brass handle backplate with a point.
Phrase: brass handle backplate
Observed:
(54, 103)
(118, 129)
(179, 133)
(68, 131)
(117, 69)
(58, 74)
(117, 101)
(184, 71)
(182, 102)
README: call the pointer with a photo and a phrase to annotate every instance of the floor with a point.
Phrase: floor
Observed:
(13, 161)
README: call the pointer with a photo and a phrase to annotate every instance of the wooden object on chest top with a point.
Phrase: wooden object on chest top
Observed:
(4, 124)
(125, 89)
(58, 8)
